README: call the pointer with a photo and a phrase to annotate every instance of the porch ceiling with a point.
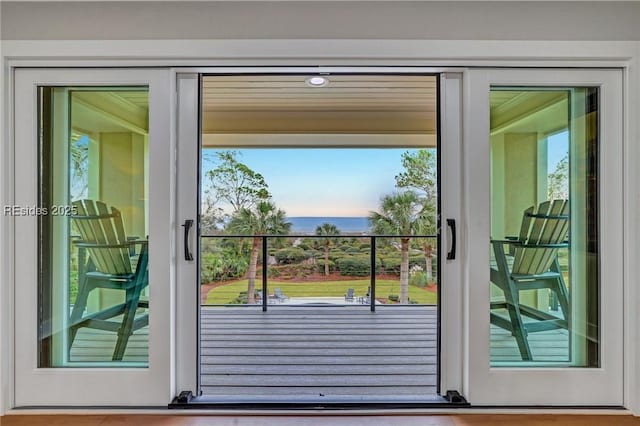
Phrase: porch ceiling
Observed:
(348, 104)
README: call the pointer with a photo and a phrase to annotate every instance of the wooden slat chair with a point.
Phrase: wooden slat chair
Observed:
(531, 262)
(109, 265)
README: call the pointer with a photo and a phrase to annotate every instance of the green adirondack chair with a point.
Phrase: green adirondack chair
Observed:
(106, 260)
(531, 262)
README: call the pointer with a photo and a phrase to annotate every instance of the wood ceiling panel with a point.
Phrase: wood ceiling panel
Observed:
(317, 122)
(349, 103)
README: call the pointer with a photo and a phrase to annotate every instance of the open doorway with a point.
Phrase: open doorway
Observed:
(319, 254)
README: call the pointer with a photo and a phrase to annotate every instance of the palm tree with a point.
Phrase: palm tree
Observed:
(427, 226)
(401, 214)
(327, 230)
(263, 219)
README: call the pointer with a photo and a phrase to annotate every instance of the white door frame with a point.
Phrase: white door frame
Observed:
(451, 371)
(188, 294)
(545, 386)
(287, 52)
(93, 386)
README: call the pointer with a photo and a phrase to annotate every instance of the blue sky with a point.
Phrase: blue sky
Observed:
(325, 182)
(557, 147)
(338, 182)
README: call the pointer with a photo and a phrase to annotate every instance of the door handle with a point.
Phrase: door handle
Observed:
(187, 228)
(451, 223)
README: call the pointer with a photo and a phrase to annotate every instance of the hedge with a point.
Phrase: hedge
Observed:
(290, 255)
(357, 266)
(391, 264)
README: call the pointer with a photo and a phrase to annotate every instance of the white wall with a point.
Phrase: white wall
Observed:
(3, 378)
(430, 20)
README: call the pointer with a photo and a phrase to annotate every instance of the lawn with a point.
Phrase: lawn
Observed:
(226, 293)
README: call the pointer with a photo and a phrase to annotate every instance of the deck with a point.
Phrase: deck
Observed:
(320, 352)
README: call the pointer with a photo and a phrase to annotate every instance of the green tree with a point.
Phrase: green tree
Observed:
(79, 166)
(329, 233)
(231, 187)
(558, 181)
(263, 219)
(401, 214)
(420, 174)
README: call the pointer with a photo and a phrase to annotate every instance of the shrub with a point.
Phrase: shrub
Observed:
(344, 247)
(394, 298)
(320, 265)
(353, 250)
(290, 255)
(273, 272)
(313, 253)
(358, 266)
(391, 264)
(222, 266)
(417, 277)
(242, 298)
(334, 255)
(296, 270)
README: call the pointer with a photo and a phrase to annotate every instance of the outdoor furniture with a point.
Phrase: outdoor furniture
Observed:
(349, 296)
(531, 262)
(109, 265)
(366, 299)
(277, 292)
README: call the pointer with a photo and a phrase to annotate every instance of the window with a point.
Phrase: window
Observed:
(93, 223)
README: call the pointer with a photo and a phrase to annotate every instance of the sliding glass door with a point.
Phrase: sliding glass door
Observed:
(92, 237)
(492, 267)
(545, 243)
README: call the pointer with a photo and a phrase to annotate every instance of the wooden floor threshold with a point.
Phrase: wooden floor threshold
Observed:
(324, 419)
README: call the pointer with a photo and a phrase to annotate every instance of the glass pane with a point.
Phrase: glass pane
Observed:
(93, 226)
(544, 227)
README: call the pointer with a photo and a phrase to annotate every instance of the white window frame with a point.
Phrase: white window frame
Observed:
(601, 386)
(107, 386)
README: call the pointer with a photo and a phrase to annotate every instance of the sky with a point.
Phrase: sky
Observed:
(557, 148)
(338, 182)
(325, 182)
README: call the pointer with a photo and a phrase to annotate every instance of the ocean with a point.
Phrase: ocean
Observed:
(346, 225)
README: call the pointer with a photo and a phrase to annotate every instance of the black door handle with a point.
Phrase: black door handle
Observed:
(187, 227)
(451, 223)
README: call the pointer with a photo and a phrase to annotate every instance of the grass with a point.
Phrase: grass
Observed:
(226, 293)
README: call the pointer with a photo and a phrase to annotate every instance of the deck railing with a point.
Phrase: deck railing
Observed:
(383, 253)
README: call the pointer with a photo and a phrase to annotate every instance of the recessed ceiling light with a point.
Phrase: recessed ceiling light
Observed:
(317, 81)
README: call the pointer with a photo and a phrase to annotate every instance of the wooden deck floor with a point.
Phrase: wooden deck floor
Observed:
(326, 352)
